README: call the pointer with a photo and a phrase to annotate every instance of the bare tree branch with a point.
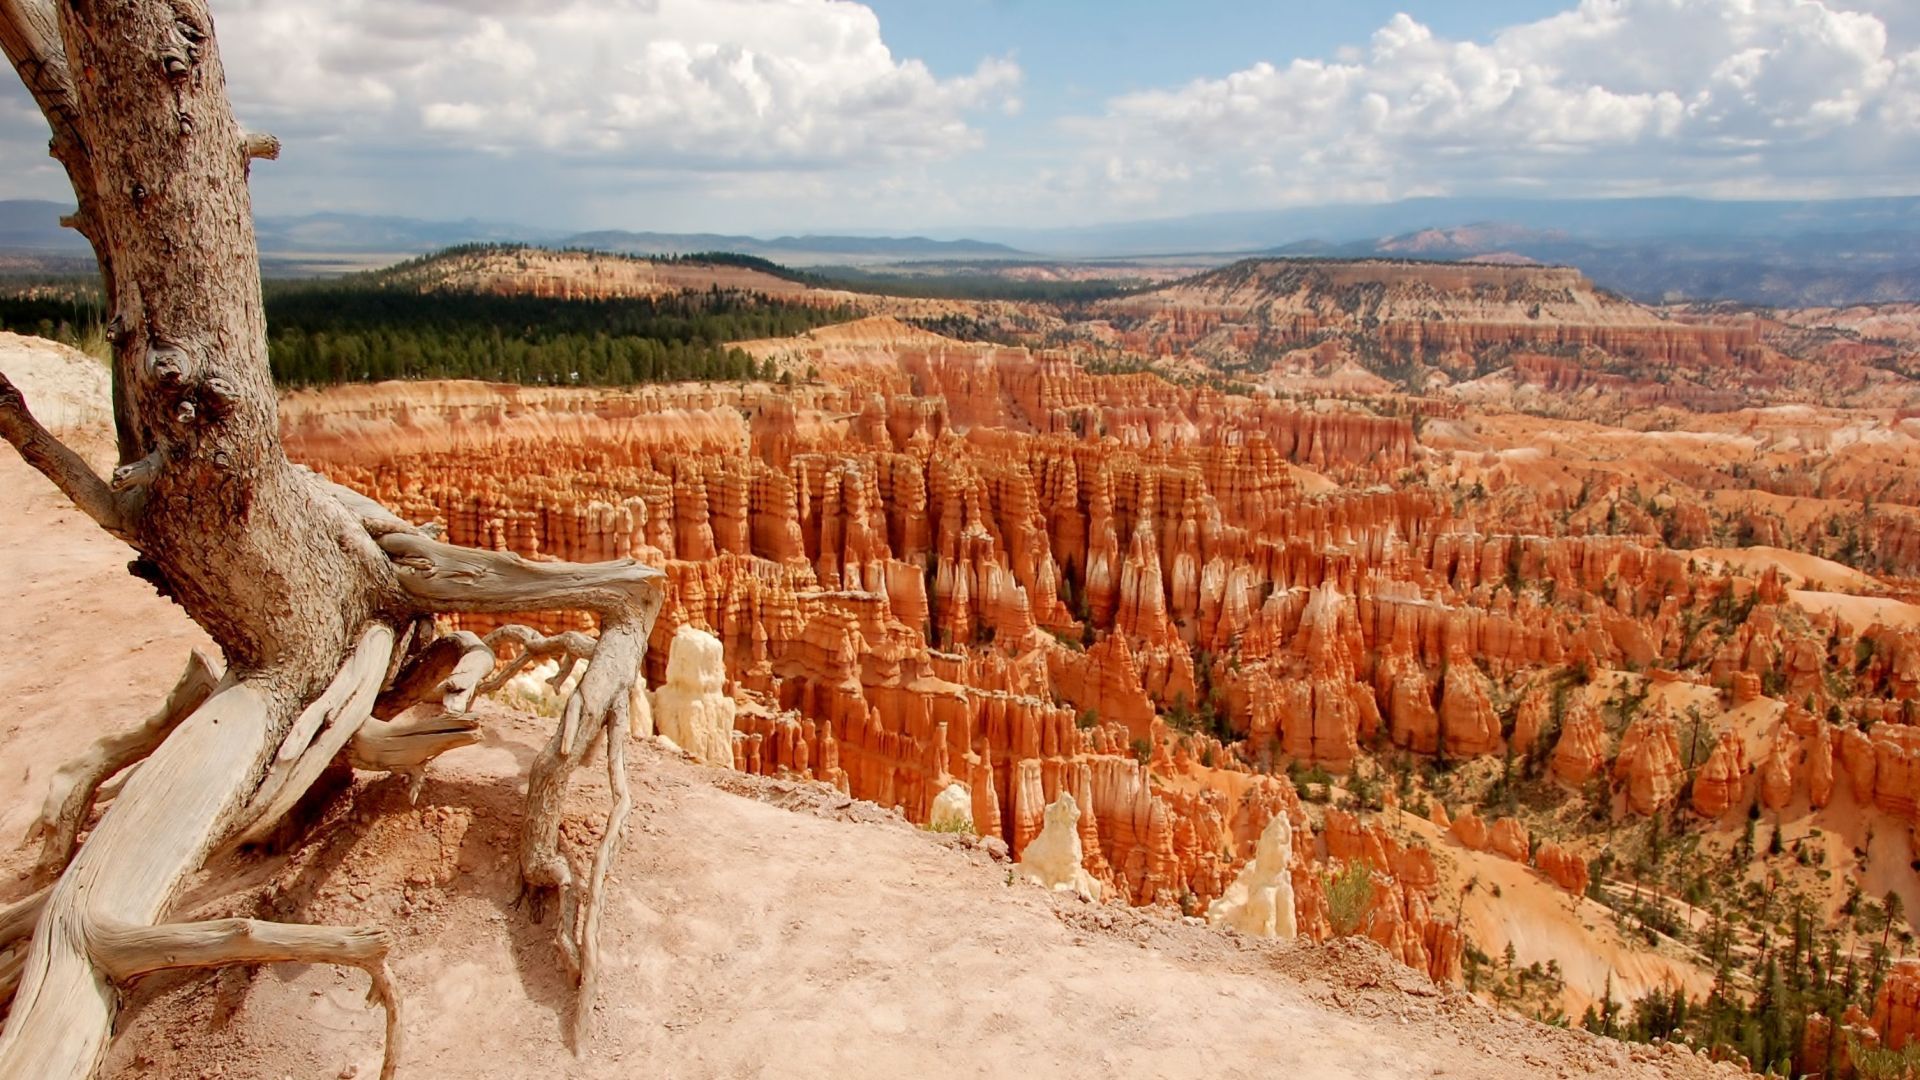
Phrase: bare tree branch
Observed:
(30, 38)
(60, 464)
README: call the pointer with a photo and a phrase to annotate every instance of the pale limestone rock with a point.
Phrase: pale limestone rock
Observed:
(692, 708)
(952, 810)
(533, 684)
(640, 706)
(1052, 860)
(1260, 900)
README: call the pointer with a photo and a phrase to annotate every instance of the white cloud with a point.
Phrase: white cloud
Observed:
(762, 115)
(1611, 96)
(711, 84)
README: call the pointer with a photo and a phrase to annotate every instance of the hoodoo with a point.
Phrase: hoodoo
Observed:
(1054, 859)
(1260, 900)
(692, 707)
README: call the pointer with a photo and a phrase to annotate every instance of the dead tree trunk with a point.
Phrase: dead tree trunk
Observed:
(321, 601)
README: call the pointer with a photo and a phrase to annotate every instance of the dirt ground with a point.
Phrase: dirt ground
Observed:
(758, 928)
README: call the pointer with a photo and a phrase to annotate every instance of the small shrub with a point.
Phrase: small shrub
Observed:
(1348, 894)
(1879, 1063)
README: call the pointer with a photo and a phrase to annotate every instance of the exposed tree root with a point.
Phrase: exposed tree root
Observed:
(77, 783)
(322, 730)
(597, 708)
(214, 768)
(449, 668)
(588, 934)
(18, 918)
(169, 815)
(627, 597)
(127, 952)
(571, 646)
(424, 713)
(17, 921)
(12, 960)
(96, 925)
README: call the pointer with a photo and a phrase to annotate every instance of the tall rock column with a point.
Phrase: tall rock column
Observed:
(691, 707)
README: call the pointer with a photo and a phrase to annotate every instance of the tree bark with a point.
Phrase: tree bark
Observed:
(305, 588)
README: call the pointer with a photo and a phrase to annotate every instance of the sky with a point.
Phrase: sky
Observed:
(770, 116)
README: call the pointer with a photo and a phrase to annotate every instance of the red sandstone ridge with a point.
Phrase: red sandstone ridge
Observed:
(1437, 307)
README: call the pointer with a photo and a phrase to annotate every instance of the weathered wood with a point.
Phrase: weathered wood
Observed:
(424, 713)
(572, 646)
(127, 952)
(451, 668)
(59, 463)
(17, 921)
(158, 831)
(443, 577)
(322, 730)
(77, 783)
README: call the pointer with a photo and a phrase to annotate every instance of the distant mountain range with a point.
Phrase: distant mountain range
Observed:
(30, 225)
(1817, 268)
(791, 248)
(1594, 219)
(1781, 252)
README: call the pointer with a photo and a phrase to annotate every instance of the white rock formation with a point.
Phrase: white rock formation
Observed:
(640, 704)
(532, 685)
(1052, 860)
(952, 810)
(692, 708)
(1260, 900)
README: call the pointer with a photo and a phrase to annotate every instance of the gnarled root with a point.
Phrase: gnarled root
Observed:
(425, 712)
(170, 813)
(322, 730)
(127, 952)
(571, 646)
(597, 708)
(98, 925)
(627, 597)
(77, 783)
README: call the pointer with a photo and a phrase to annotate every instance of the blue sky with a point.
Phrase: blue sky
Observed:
(897, 115)
(1085, 50)
(1075, 54)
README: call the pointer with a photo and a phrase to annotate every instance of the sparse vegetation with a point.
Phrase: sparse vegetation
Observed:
(1349, 892)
